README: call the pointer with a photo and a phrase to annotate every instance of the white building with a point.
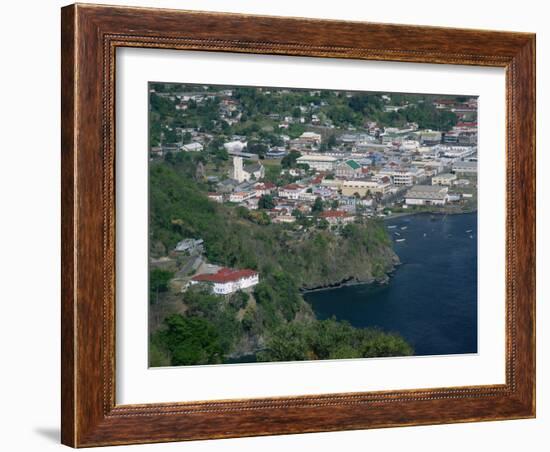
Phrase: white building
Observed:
(235, 146)
(240, 196)
(403, 176)
(318, 162)
(444, 179)
(423, 195)
(465, 167)
(192, 147)
(190, 246)
(241, 174)
(228, 280)
(292, 191)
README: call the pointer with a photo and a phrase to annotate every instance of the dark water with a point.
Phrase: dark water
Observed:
(431, 299)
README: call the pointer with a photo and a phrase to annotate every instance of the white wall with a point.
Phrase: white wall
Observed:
(30, 225)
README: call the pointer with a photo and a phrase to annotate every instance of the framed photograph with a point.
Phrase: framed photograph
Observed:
(280, 225)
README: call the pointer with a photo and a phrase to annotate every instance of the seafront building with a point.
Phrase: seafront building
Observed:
(425, 195)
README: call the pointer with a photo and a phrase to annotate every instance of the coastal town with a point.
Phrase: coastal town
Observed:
(313, 168)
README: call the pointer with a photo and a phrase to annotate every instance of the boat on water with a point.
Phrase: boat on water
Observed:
(468, 231)
(397, 233)
(425, 234)
(400, 240)
(393, 226)
(403, 228)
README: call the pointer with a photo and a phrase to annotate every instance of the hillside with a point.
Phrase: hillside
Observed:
(286, 260)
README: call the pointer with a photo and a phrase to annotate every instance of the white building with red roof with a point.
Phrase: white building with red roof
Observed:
(292, 191)
(228, 280)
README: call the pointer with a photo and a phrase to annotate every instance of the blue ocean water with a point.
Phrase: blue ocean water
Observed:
(431, 299)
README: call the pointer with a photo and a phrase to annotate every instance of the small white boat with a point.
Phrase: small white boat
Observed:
(392, 226)
(469, 230)
(400, 240)
(397, 233)
(425, 234)
(471, 236)
(403, 228)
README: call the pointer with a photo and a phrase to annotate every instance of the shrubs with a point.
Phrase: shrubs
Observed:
(331, 339)
(189, 340)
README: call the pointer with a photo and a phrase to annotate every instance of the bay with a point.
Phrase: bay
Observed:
(431, 298)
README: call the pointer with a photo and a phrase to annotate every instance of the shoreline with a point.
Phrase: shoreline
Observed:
(348, 283)
(352, 281)
(411, 214)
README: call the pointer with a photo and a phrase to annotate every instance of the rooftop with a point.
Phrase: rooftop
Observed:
(225, 275)
(316, 158)
(334, 214)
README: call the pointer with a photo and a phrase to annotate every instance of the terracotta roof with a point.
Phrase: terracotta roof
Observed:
(292, 187)
(225, 275)
(333, 214)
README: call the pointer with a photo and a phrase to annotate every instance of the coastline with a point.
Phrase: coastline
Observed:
(350, 282)
(426, 212)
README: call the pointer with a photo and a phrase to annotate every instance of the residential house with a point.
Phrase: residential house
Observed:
(217, 197)
(335, 217)
(227, 280)
(190, 246)
(192, 147)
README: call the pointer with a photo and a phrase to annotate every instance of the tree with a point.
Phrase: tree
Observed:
(289, 160)
(191, 341)
(317, 205)
(255, 147)
(158, 281)
(331, 141)
(266, 202)
(186, 138)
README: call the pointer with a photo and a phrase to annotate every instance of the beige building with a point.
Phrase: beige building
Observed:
(350, 187)
(444, 179)
(423, 195)
(318, 162)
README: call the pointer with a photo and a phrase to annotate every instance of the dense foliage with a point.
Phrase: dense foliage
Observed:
(262, 111)
(330, 339)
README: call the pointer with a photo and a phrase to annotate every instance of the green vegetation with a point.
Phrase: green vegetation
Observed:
(261, 114)
(330, 339)
(202, 328)
(158, 282)
(266, 202)
(212, 326)
(188, 340)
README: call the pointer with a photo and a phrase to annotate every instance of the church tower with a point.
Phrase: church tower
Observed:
(238, 173)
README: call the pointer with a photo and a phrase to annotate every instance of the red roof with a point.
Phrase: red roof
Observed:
(333, 214)
(292, 187)
(225, 275)
(265, 185)
(317, 180)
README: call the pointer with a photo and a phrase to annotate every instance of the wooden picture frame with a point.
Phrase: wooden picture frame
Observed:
(90, 36)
